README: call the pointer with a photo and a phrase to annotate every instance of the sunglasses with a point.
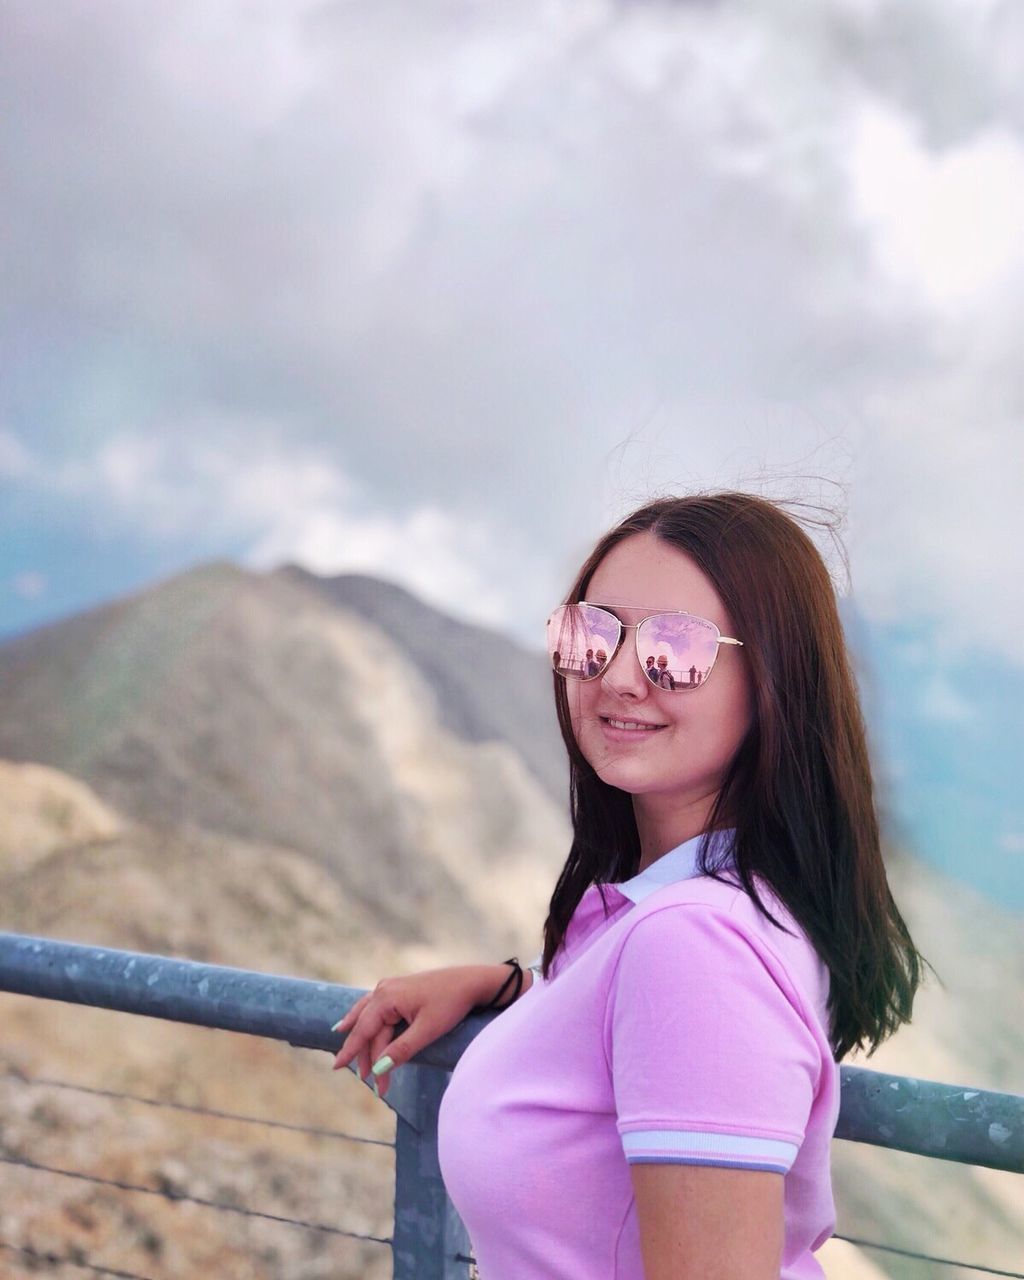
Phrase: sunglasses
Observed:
(676, 650)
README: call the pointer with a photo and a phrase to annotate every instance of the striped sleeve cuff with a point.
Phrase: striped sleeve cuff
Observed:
(726, 1150)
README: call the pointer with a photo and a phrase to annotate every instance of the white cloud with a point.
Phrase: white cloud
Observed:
(243, 485)
(935, 524)
(438, 556)
(946, 224)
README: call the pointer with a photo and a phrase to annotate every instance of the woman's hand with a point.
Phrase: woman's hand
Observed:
(431, 1003)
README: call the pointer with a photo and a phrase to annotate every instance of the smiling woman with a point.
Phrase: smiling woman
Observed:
(676, 759)
(660, 1101)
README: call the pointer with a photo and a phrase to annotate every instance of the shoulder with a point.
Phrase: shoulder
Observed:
(699, 983)
(706, 925)
(726, 902)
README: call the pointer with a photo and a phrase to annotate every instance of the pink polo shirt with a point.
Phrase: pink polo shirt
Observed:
(683, 1029)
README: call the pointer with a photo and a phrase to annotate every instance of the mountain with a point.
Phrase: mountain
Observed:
(267, 710)
(487, 687)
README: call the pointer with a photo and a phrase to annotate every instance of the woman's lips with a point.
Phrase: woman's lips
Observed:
(628, 730)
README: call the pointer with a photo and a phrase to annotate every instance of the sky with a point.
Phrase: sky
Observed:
(439, 291)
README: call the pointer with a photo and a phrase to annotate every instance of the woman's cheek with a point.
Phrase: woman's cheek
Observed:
(572, 694)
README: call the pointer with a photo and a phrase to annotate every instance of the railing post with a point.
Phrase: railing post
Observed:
(430, 1242)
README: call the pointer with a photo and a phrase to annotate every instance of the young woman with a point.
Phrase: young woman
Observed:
(658, 1104)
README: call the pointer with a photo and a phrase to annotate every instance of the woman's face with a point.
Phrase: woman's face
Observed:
(699, 730)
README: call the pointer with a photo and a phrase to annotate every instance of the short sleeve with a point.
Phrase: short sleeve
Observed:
(712, 1061)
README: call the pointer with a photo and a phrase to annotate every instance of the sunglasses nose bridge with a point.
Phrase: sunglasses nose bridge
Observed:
(632, 642)
(627, 652)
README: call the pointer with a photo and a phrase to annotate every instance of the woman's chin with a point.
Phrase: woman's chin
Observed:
(626, 775)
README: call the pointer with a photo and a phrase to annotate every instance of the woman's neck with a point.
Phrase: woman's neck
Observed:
(662, 823)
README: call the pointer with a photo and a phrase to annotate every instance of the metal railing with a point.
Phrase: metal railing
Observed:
(946, 1122)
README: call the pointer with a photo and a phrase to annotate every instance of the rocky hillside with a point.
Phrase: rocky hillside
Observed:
(328, 778)
(257, 709)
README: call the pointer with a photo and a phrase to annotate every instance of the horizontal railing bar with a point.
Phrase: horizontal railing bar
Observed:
(922, 1117)
(299, 1011)
(929, 1118)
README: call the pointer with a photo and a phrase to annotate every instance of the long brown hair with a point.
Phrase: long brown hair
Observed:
(799, 790)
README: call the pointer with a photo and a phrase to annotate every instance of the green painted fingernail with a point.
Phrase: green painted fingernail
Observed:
(382, 1065)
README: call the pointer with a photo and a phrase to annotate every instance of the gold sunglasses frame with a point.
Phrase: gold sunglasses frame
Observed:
(635, 626)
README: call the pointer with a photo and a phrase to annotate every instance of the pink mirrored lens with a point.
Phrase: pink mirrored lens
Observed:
(581, 640)
(677, 650)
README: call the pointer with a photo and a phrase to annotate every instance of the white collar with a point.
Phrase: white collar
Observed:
(679, 863)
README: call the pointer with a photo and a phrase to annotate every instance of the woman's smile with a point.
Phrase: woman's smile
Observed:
(628, 730)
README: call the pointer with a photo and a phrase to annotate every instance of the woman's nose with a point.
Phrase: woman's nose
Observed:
(624, 673)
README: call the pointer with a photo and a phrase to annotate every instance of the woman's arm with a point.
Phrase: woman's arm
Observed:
(701, 1222)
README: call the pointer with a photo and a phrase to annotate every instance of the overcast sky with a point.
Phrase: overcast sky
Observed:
(439, 290)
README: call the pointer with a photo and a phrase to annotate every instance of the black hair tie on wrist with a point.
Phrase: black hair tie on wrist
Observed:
(517, 974)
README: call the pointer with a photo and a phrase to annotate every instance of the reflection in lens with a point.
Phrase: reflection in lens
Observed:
(580, 638)
(684, 649)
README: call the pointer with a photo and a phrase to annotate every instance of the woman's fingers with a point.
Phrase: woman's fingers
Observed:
(346, 1021)
(367, 1023)
(369, 1026)
(368, 1038)
(378, 1047)
(348, 1050)
(343, 1024)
